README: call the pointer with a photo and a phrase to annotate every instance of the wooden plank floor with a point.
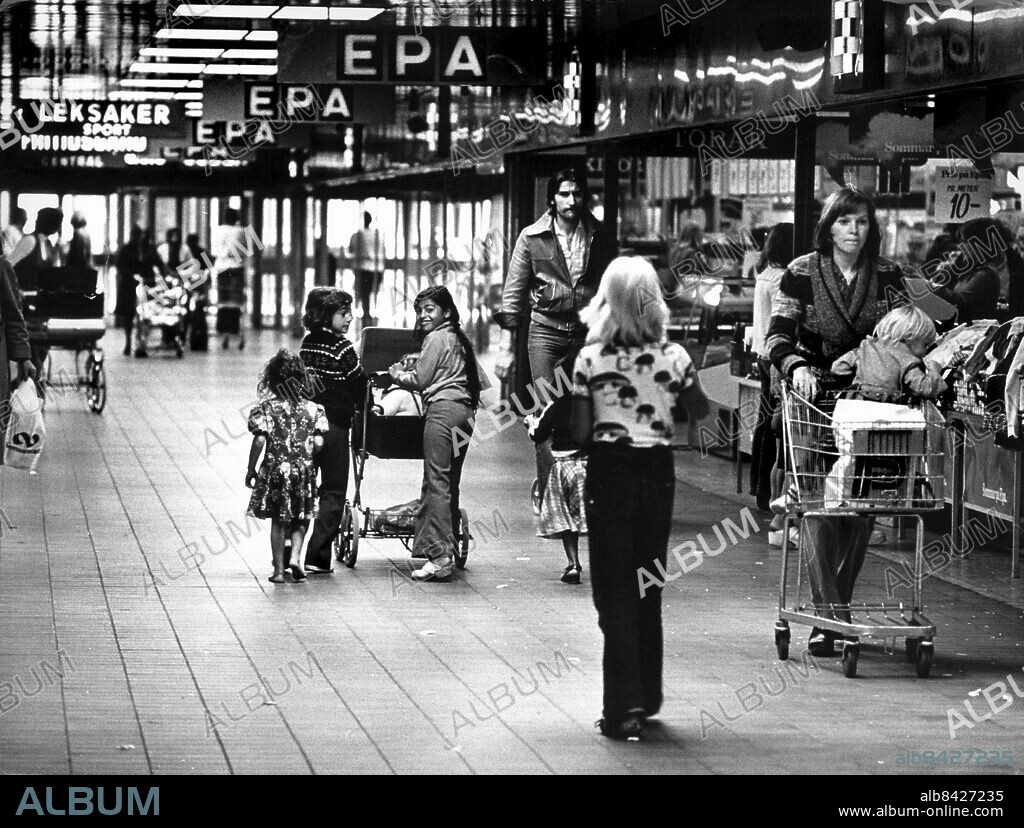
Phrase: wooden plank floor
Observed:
(127, 566)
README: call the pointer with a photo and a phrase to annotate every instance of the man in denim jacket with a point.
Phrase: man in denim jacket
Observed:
(557, 262)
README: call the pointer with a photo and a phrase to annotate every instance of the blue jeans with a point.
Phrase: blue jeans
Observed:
(630, 493)
(438, 514)
(546, 348)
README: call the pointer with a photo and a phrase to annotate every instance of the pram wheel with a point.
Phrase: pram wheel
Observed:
(462, 547)
(96, 384)
(348, 537)
(925, 654)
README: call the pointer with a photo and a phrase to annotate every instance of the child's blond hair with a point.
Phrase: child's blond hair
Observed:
(906, 323)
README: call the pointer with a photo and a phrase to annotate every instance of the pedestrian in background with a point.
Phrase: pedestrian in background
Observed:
(14, 344)
(765, 476)
(554, 271)
(80, 246)
(367, 253)
(626, 380)
(290, 429)
(229, 265)
(13, 232)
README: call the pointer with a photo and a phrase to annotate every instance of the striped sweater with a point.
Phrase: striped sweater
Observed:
(336, 375)
(817, 317)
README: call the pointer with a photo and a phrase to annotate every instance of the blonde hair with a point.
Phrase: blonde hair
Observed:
(629, 307)
(906, 324)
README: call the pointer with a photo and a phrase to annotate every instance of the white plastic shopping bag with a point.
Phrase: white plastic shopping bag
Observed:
(26, 431)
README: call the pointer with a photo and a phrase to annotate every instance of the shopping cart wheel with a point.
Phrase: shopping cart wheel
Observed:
(911, 644)
(925, 654)
(911, 650)
(96, 387)
(851, 652)
(462, 549)
(782, 640)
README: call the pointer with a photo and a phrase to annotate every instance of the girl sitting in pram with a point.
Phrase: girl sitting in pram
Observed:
(889, 372)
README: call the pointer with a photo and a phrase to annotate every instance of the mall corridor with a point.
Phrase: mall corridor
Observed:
(142, 635)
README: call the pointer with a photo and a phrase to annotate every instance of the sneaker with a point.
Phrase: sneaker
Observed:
(432, 572)
(878, 538)
(775, 537)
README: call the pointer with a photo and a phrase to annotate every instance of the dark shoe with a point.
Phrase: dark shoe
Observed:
(276, 578)
(241, 345)
(225, 345)
(297, 573)
(764, 503)
(629, 726)
(571, 575)
(127, 350)
(141, 353)
(821, 643)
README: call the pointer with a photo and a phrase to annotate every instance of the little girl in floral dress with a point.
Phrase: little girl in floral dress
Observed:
(291, 430)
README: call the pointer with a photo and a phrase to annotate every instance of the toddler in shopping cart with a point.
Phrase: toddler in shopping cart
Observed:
(888, 368)
(291, 429)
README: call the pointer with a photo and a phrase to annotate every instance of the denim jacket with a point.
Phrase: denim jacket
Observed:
(538, 269)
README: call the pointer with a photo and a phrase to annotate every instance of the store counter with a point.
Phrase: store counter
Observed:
(983, 477)
(729, 431)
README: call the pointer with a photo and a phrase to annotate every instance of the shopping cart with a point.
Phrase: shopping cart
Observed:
(387, 438)
(848, 457)
(160, 319)
(65, 312)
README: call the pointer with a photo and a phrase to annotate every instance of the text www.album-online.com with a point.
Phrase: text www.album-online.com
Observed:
(936, 810)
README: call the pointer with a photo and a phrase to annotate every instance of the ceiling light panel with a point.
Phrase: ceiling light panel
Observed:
(204, 34)
(225, 10)
(155, 83)
(239, 69)
(168, 52)
(250, 54)
(168, 68)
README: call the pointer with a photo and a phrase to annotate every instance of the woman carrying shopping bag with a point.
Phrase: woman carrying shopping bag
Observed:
(14, 345)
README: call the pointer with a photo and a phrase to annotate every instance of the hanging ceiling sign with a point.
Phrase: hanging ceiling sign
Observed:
(409, 55)
(96, 127)
(318, 102)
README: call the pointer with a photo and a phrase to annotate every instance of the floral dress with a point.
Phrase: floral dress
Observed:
(286, 482)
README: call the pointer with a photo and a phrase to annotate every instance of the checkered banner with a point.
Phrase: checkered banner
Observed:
(846, 40)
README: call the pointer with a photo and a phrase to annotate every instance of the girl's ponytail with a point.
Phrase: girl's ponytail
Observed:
(472, 370)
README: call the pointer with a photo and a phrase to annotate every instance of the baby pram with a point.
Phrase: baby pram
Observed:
(160, 319)
(388, 438)
(65, 312)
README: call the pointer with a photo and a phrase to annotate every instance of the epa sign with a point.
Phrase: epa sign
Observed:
(407, 55)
